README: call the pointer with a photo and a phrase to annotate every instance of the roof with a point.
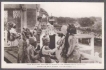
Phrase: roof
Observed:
(17, 6)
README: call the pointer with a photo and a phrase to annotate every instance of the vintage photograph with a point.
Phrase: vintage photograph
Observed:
(53, 33)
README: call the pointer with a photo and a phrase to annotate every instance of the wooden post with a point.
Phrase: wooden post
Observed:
(37, 14)
(92, 45)
(21, 20)
(36, 17)
(23, 17)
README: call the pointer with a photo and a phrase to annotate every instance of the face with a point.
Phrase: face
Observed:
(46, 41)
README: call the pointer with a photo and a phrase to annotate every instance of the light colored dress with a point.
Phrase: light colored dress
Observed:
(73, 51)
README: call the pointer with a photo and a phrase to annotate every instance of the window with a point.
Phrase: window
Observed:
(16, 14)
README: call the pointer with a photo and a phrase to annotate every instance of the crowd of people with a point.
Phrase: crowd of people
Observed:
(30, 52)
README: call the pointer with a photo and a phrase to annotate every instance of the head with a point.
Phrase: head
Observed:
(64, 29)
(51, 20)
(71, 29)
(33, 42)
(27, 33)
(46, 40)
(35, 28)
(11, 25)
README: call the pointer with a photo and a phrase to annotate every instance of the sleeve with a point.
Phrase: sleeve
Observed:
(32, 54)
(54, 50)
(45, 52)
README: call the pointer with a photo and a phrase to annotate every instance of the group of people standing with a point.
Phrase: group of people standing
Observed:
(30, 52)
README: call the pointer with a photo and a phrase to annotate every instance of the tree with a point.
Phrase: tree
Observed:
(84, 22)
(65, 20)
(97, 27)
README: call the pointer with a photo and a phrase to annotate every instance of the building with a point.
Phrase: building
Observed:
(23, 15)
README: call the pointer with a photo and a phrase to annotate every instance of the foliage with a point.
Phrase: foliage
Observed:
(84, 22)
(64, 20)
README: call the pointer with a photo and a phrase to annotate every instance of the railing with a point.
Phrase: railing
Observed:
(86, 47)
(82, 47)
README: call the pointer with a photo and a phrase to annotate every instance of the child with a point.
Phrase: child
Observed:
(46, 51)
(32, 57)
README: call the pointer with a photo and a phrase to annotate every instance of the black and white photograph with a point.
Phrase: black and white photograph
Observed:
(52, 33)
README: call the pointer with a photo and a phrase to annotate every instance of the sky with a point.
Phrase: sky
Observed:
(72, 9)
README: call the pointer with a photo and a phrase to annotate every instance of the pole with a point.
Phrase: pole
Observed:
(23, 17)
(37, 14)
(92, 45)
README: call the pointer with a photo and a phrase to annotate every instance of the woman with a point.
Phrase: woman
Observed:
(70, 51)
(12, 35)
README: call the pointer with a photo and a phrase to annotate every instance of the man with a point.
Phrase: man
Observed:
(45, 49)
(33, 54)
(23, 45)
(47, 52)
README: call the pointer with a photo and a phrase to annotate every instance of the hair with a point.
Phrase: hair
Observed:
(11, 24)
(14, 26)
(34, 44)
(60, 35)
(71, 29)
(31, 34)
(8, 35)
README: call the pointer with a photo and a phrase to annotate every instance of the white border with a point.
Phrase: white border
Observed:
(51, 65)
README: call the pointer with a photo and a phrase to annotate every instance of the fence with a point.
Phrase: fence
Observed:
(88, 50)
